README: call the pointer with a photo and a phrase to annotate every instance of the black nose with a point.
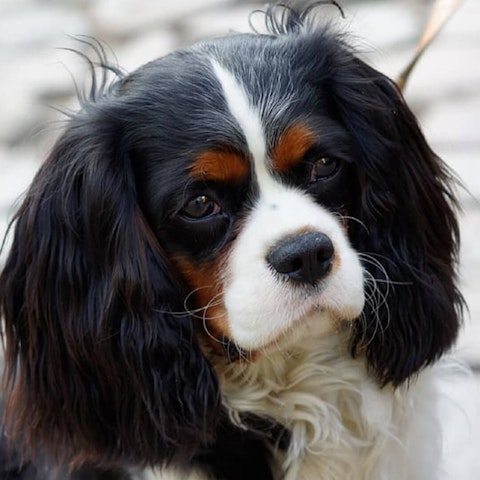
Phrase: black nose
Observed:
(304, 258)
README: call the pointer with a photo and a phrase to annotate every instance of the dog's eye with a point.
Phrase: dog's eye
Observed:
(322, 168)
(200, 207)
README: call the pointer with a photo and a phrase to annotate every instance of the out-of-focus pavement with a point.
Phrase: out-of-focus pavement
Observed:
(444, 90)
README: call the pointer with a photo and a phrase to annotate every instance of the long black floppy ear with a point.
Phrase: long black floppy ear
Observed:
(407, 230)
(99, 366)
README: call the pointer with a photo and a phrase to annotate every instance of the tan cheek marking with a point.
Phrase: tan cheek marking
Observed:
(204, 282)
(220, 166)
(292, 147)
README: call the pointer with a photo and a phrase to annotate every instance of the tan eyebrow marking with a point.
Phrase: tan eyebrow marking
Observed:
(215, 165)
(292, 147)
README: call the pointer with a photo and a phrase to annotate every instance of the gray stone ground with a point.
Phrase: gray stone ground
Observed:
(444, 90)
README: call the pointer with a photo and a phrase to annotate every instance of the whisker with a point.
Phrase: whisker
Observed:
(376, 300)
(189, 311)
(204, 319)
(354, 219)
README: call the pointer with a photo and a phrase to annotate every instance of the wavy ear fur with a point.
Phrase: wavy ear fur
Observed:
(407, 232)
(99, 368)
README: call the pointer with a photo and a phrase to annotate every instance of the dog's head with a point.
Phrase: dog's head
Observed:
(232, 192)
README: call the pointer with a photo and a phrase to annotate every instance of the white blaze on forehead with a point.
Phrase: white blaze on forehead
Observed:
(248, 118)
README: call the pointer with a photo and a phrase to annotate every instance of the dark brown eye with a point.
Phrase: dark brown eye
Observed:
(200, 207)
(323, 168)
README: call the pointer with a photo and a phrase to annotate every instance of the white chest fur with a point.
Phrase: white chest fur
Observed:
(343, 426)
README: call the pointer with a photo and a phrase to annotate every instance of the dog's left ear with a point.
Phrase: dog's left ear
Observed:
(407, 230)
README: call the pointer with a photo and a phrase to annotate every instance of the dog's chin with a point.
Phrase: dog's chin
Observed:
(314, 326)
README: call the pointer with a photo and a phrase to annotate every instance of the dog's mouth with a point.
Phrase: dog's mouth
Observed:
(318, 322)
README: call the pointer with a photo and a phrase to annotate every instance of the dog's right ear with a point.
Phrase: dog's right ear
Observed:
(100, 365)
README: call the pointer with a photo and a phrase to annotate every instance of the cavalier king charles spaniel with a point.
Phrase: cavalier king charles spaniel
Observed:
(237, 263)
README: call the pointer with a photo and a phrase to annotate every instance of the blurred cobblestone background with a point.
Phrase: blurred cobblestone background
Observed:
(444, 91)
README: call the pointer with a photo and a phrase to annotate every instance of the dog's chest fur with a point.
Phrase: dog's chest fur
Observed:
(341, 424)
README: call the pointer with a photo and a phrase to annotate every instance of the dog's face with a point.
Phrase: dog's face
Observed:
(248, 190)
(247, 184)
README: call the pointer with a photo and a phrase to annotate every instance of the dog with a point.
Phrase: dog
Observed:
(238, 262)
